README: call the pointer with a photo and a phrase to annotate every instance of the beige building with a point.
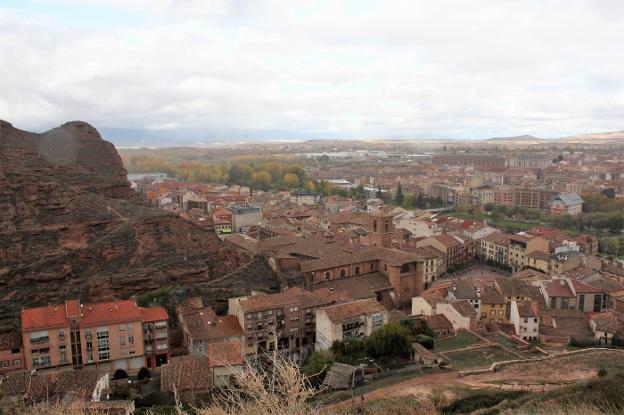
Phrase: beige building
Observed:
(355, 319)
(520, 245)
(461, 314)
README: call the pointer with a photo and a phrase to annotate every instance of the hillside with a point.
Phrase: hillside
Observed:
(70, 227)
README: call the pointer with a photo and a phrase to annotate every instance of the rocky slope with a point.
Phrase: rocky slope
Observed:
(70, 226)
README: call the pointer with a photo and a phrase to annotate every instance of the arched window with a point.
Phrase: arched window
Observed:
(405, 268)
(357, 270)
(343, 273)
(371, 266)
(327, 275)
(375, 225)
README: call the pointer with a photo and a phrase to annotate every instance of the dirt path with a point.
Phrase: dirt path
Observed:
(416, 386)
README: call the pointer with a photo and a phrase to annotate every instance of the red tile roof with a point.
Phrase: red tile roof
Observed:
(345, 311)
(55, 316)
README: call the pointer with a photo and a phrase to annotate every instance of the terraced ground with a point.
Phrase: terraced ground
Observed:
(461, 340)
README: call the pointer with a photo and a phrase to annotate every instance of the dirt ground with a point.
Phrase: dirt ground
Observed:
(565, 370)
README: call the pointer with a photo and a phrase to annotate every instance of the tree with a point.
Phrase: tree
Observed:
(613, 246)
(398, 197)
(120, 374)
(291, 180)
(409, 201)
(309, 186)
(379, 193)
(391, 340)
(261, 180)
(144, 373)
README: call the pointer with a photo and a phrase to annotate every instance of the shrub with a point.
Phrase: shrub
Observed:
(348, 350)
(120, 374)
(583, 342)
(602, 373)
(425, 340)
(144, 373)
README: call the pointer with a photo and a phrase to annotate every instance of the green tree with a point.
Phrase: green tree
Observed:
(409, 201)
(391, 340)
(613, 246)
(399, 196)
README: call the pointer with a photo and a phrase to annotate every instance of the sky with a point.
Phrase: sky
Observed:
(153, 71)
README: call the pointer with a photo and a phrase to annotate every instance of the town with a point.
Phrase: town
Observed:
(462, 260)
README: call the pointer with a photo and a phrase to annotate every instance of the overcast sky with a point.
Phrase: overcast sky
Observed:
(302, 69)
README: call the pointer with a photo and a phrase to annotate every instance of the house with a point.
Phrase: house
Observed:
(222, 221)
(425, 304)
(606, 325)
(463, 289)
(566, 204)
(538, 260)
(522, 244)
(492, 306)
(355, 319)
(11, 352)
(202, 327)
(525, 319)
(106, 336)
(461, 314)
(440, 325)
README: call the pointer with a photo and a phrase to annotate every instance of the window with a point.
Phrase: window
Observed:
(293, 309)
(161, 325)
(161, 336)
(17, 362)
(327, 275)
(41, 351)
(377, 320)
(122, 340)
(357, 270)
(103, 343)
(405, 268)
(248, 316)
(62, 334)
(162, 346)
(41, 361)
(122, 328)
(62, 347)
(39, 337)
(5, 363)
(130, 339)
(343, 273)
(104, 355)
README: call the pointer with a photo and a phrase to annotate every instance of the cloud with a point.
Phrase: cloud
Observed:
(335, 68)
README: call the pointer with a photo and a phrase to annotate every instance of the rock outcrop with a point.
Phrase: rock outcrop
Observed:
(70, 226)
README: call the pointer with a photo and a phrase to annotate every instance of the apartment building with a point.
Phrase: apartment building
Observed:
(11, 352)
(452, 247)
(355, 319)
(567, 204)
(494, 247)
(281, 321)
(107, 336)
(568, 293)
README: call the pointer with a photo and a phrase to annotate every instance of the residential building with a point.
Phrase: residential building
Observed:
(494, 247)
(107, 336)
(452, 247)
(281, 321)
(355, 319)
(461, 314)
(492, 307)
(521, 244)
(525, 318)
(11, 352)
(606, 325)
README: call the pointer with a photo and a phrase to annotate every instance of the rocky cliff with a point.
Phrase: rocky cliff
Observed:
(70, 226)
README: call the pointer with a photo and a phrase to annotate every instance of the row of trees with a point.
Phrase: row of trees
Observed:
(415, 200)
(256, 173)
